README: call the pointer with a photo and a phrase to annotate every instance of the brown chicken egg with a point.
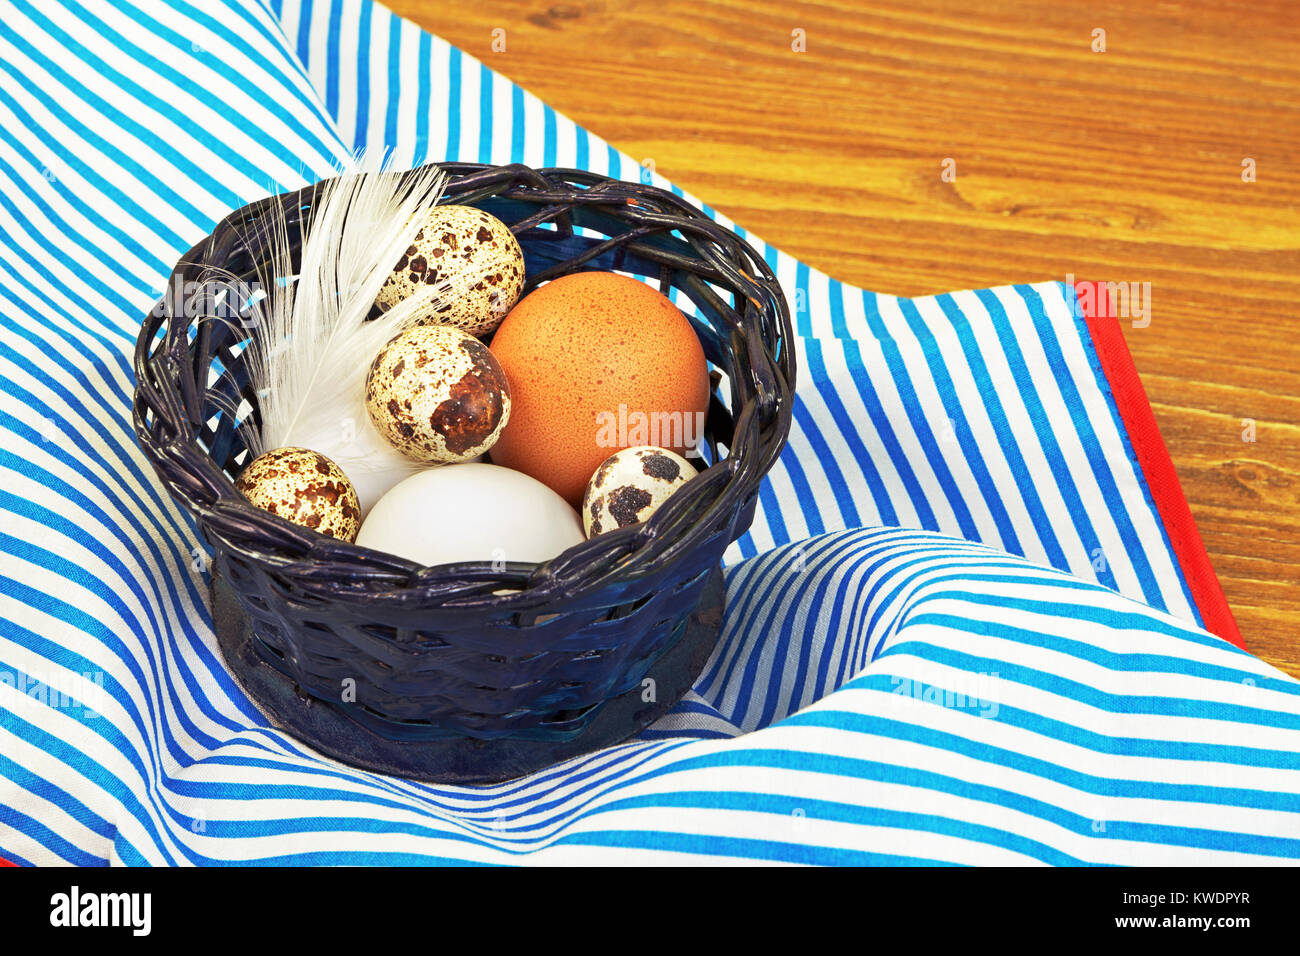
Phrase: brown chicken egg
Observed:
(304, 487)
(473, 251)
(437, 394)
(597, 361)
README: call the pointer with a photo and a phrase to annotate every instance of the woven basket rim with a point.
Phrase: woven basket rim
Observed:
(330, 568)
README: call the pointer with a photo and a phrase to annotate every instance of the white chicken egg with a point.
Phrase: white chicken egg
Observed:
(473, 251)
(630, 486)
(437, 394)
(471, 512)
(305, 487)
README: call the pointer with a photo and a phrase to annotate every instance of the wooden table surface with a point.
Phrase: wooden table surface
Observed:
(1122, 165)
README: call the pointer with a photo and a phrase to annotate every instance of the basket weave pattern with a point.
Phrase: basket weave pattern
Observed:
(439, 651)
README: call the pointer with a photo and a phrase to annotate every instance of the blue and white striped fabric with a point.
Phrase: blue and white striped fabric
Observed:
(957, 632)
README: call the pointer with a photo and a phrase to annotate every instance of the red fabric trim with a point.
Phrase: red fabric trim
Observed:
(4, 862)
(1153, 458)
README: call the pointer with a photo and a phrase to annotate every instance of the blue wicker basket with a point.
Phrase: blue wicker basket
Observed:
(434, 656)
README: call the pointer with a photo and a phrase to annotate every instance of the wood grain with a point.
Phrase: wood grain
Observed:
(1121, 165)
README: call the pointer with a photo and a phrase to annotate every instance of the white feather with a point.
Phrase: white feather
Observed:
(311, 346)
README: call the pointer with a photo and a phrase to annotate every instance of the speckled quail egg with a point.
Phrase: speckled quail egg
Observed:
(631, 485)
(304, 487)
(473, 251)
(437, 394)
